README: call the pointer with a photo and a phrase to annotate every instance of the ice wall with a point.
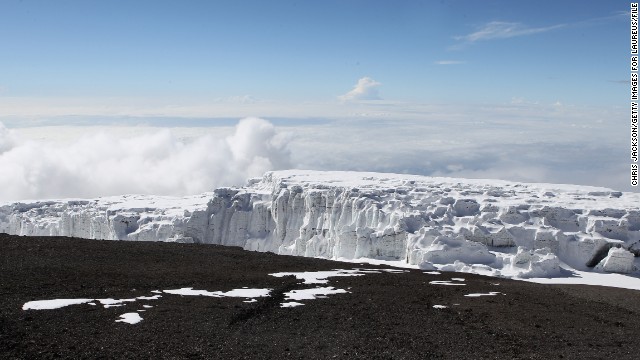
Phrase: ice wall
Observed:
(488, 226)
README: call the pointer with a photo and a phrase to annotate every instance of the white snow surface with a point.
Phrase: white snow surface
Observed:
(53, 304)
(321, 277)
(492, 293)
(313, 293)
(130, 318)
(491, 227)
(245, 293)
(446, 282)
(290, 304)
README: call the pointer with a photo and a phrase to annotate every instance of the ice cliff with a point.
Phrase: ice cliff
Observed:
(485, 226)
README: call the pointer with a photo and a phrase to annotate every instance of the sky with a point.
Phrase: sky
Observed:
(315, 51)
(531, 91)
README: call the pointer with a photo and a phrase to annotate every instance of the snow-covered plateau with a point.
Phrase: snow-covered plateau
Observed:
(491, 227)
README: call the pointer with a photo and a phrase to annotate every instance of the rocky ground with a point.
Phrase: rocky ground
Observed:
(384, 315)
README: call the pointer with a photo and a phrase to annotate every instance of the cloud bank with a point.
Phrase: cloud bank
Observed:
(155, 163)
(6, 139)
(365, 89)
(521, 140)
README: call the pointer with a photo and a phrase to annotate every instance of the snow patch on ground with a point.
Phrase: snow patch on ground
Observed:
(130, 318)
(321, 277)
(446, 282)
(290, 304)
(245, 293)
(53, 304)
(492, 293)
(313, 293)
(107, 303)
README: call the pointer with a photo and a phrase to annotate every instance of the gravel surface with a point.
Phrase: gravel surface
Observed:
(383, 315)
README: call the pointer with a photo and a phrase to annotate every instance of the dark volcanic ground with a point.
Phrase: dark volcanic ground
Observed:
(384, 316)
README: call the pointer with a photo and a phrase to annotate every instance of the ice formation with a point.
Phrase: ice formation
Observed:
(484, 226)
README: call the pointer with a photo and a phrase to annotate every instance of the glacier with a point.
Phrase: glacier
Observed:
(492, 227)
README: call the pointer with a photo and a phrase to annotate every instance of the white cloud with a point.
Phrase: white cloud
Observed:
(504, 30)
(521, 140)
(30, 110)
(257, 146)
(7, 139)
(449, 62)
(153, 163)
(365, 89)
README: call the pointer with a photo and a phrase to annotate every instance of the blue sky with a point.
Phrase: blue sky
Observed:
(315, 51)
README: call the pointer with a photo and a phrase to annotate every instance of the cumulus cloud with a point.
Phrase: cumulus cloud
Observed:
(6, 139)
(365, 89)
(257, 147)
(155, 163)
